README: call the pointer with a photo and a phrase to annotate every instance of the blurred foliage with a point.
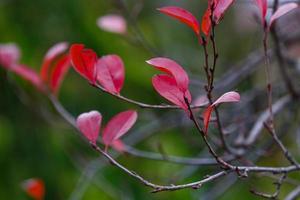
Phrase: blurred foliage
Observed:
(36, 142)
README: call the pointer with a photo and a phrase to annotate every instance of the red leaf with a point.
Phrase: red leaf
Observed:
(9, 55)
(50, 59)
(263, 6)
(172, 68)
(57, 76)
(29, 75)
(118, 126)
(282, 10)
(35, 188)
(84, 62)
(111, 73)
(206, 117)
(206, 22)
(167, 87)
(220, 9)
(227, 97)
(183, 16)
(89, 124)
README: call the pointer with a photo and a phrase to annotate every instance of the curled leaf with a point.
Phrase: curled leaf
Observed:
(35, 188)
(55, 66)
(182, 15)
(111, 73)
(282, 10)
(112, 23)
(58, 73)
(118, 126)
(89, 124)
(50, 58)
(172, 68)
(227, 97)
(167, 87)
(84, 61)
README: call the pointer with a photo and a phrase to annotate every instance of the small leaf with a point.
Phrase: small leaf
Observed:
(183, 16)
(84, 62)
(60, 70)
(206, 22)
(35, 188)
(9, 55)
(227, 97)
(89, 124)
(167, 87)
(111, 73)
(118, 126)
(282, 10)
(50, 58)
(263, 6)
(172, 68)
(112, 23)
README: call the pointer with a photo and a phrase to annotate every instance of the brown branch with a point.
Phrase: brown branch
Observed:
(141, 104)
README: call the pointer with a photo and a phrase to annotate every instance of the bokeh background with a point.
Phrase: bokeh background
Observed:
(36, 142)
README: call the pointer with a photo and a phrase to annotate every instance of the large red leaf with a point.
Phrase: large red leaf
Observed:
(89, 124)
(183, 16)
(118, 126)
(172, 68)
(263, 6)
(111, 73)
(50, 58)
(227, 97)
(29, 75)
(282, 10)
(220, 9)
(9, 55)
(58, 73)
(84, 61)
(35, 188)
(166, 86)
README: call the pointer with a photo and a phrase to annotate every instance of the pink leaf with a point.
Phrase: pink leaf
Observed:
(84, 61)
(166, 86)
(118, 126)
(89, 124)
(50, 58)
(220, 9)
(263, 6)
(111, 73)
(227, 97)
(35, 188)
(112, 23)
(172, 68)
(29, 75)
(58, 73)
(282, 10)
(183, 16)
(9, 55)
